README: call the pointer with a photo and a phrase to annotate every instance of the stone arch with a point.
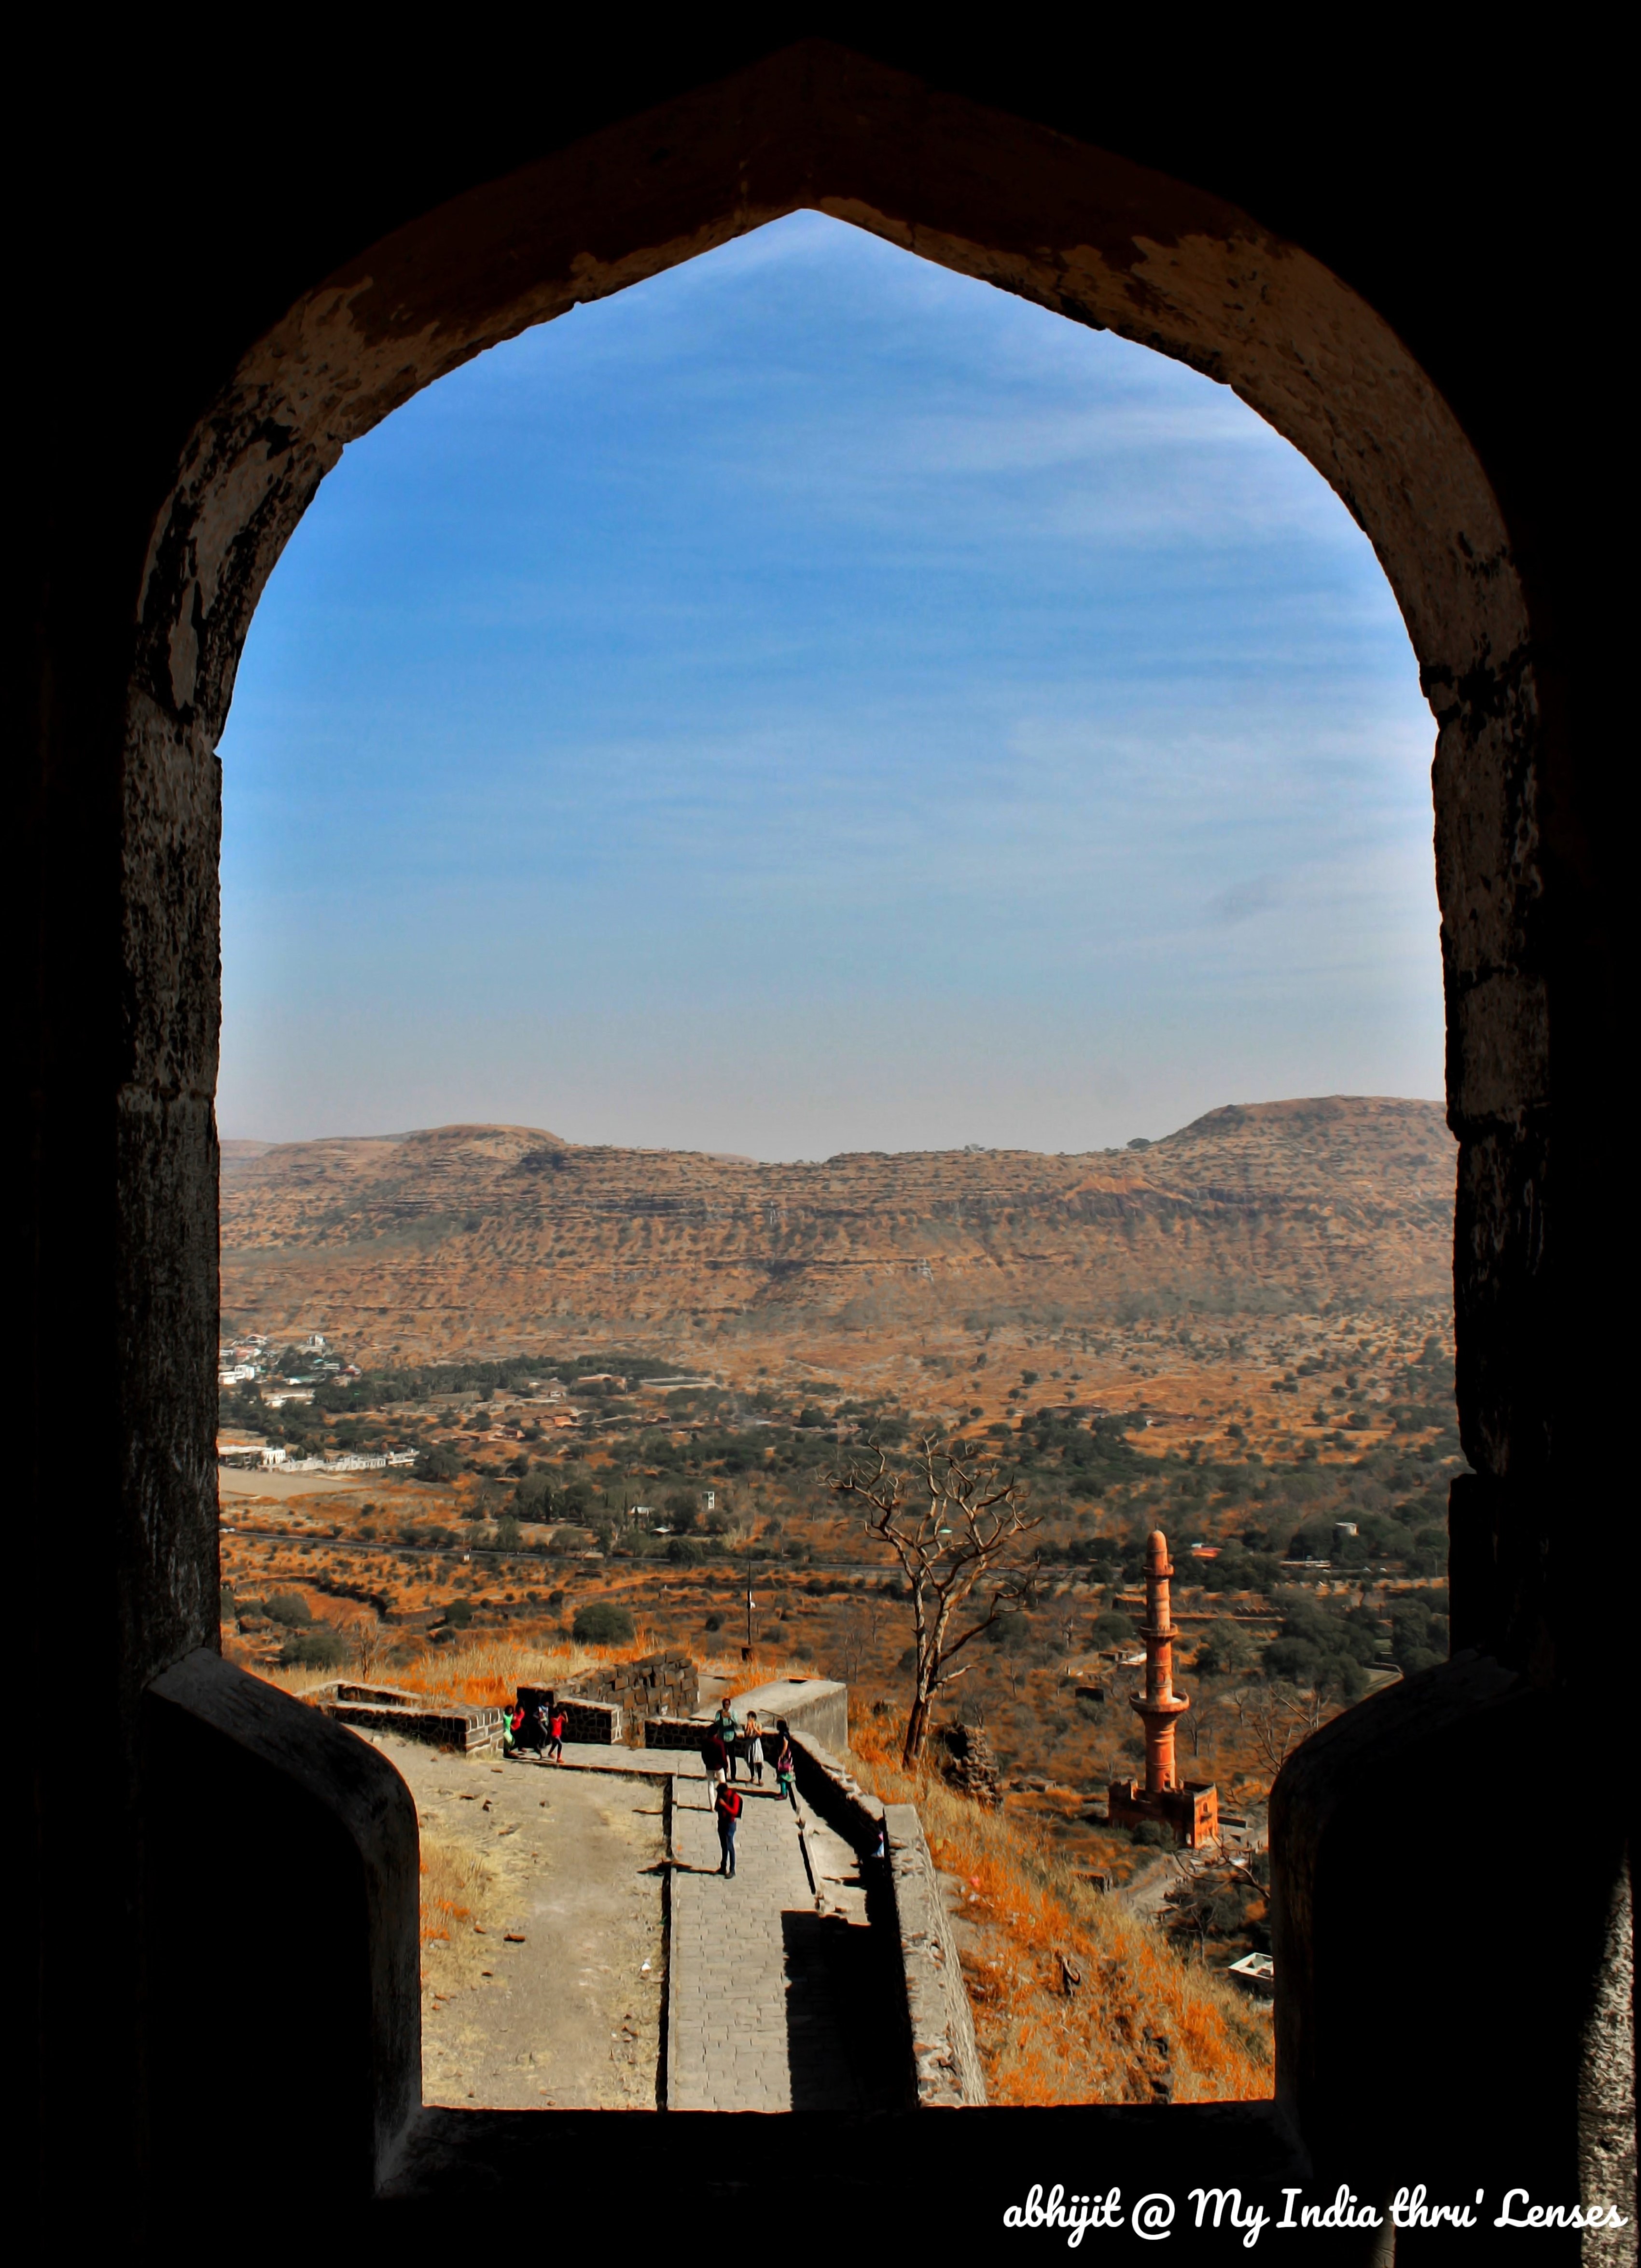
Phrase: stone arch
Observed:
(1104, 242)
(1094, 236)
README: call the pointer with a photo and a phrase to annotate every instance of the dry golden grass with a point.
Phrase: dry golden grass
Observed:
(1102, 2043)
(488, 1671)
(455, 1889)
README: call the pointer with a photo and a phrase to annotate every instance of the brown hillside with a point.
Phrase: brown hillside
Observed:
(501, 1239)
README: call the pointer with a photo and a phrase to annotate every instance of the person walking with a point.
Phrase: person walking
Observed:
(715, 1758)
(728, 1731)
(727, 1803)
(786, 1765)
(754, 1748)
(555, 1737)
(512, 1725)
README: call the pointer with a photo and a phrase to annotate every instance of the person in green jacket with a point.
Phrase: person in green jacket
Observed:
(728, 1731)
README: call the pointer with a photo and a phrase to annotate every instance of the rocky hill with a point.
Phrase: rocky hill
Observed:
(506, 1238)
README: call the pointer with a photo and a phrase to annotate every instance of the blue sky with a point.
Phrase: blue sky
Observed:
(815, 702)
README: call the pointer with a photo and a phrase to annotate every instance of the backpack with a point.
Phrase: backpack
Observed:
(729, 1803)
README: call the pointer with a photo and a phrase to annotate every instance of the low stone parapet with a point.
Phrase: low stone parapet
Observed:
(818, 1707)
(600, 1724)
(675, 1732)
(412, 1716)
(943, 2056)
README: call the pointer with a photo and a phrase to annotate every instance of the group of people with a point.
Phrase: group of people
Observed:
(540, 1732)
(727, 1740)
(535, 1732)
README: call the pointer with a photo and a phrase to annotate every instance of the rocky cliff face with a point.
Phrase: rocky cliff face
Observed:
(504, 1238)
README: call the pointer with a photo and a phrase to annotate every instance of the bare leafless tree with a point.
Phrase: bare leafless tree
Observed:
(1277, 1717)
(368, 1643)
(858, 1636)
(950, 1524)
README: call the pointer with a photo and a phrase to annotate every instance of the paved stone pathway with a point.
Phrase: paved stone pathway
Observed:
(774, 2003)
(780, 1996)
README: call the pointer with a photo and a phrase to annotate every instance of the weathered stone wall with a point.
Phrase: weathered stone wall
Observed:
(675, 1732)
(390, 1709)
(944, 2071)
(816, 1706)
(944, 2051)
(602, 1724)
(659, 1684)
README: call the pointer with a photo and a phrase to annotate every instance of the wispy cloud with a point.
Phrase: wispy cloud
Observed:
(812, 641)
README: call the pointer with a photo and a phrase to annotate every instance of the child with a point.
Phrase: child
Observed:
(728, 1806)
(555, 1738)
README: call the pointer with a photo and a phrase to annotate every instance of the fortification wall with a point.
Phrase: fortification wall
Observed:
(818, 1707)
(943, 2057)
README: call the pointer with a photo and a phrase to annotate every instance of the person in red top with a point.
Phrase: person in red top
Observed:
(555, 1737)
(728, 1806)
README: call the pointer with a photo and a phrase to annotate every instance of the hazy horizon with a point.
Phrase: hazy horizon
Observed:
(815, 703)
(524, 1126)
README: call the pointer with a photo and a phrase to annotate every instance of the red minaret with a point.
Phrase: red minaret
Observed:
(1161, 1703)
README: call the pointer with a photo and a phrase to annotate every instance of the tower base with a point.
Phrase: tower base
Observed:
(1192, 1811)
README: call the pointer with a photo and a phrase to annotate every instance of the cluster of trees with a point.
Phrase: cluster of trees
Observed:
(1328, 1649)
(1321, 1650)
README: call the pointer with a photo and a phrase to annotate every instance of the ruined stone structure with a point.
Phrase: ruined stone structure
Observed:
(658, 1685)
(606, 1705)
(223, 281)
(1190, 1807)
(969, 1763)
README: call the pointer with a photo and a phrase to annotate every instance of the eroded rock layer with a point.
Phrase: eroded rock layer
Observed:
(506, 1238)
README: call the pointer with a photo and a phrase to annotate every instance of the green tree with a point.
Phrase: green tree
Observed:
(601, 1623)
(1229, 1650)
(318, 1648)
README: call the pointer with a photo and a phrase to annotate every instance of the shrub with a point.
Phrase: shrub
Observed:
(1012, 1630)
(714, 1622)
(1112, 1630)
(459, 1613)
(318, 1648)
(437, 1463)
(285, 1607)
(601, 1623)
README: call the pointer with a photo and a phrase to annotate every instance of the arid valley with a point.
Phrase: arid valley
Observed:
(629, 1380)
